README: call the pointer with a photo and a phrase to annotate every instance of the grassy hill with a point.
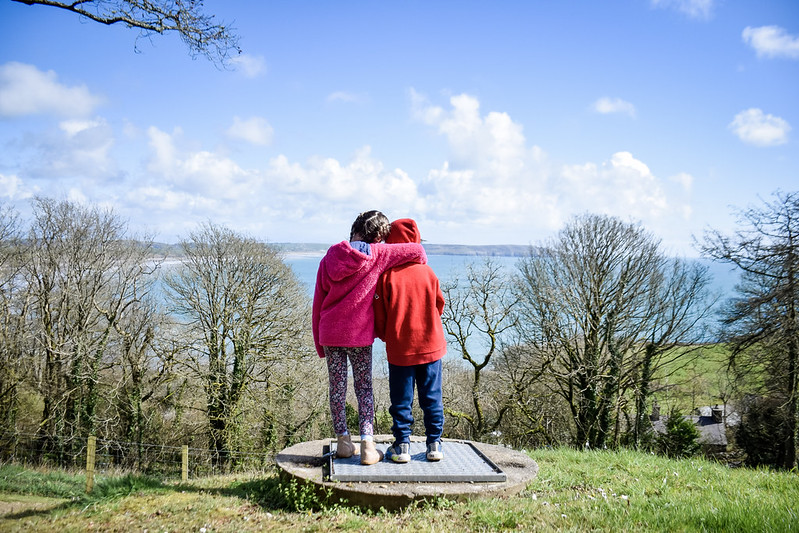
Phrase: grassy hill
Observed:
(574, 491)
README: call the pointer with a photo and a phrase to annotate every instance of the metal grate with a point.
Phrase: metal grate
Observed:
(462, 463)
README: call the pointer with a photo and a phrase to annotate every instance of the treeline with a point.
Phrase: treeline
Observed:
(101, 337)
(577, 344)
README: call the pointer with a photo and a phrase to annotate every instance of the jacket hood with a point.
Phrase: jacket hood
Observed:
(342, 261)
(404, 230)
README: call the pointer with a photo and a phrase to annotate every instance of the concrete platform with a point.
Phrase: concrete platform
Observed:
(463, 463)
(511, 472)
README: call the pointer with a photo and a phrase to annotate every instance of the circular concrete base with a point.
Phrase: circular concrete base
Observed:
(304, 462)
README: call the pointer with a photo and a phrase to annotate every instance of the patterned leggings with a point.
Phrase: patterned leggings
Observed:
(361, 361)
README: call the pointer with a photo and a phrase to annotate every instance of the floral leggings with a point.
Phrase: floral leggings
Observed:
(361, 361)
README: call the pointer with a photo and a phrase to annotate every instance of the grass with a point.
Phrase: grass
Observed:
(574, 491)
(700, 379)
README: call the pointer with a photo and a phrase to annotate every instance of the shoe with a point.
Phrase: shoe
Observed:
(434, 452)
(399, 453)
(369, 454)
(344, 447)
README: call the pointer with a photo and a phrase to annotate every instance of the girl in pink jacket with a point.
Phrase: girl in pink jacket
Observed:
(343, 320)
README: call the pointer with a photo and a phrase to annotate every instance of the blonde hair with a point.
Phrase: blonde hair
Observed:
(372, 226)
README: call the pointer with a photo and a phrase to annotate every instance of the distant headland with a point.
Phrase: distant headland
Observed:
(503, 250)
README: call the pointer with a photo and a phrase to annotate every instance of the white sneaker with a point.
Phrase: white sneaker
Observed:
(434, 452)
(399, 453)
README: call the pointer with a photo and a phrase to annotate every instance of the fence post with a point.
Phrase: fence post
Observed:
(184, 472)
(91, 447)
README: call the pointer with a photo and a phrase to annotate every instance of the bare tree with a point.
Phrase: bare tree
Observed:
(198, 31)
(82, 271)
(601, 310)
(12, 315)
(247, 310)
(145, 353)
(535, 418)
(478, 313)
(761, 321)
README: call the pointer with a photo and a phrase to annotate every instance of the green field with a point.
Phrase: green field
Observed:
(698, 379)
(574, 491)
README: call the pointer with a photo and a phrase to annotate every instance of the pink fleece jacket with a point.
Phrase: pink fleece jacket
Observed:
(345, 287)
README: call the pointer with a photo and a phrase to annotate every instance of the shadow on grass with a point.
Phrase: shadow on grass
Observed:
(104, 490)
(73, 492)
(270, 493)
(37, 511)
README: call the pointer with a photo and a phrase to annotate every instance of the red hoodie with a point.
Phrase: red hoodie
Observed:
(408, 305)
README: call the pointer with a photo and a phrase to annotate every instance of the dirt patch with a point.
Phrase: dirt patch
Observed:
(16, 505)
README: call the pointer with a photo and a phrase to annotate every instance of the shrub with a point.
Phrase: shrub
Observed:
(681, 438)
(763, 433)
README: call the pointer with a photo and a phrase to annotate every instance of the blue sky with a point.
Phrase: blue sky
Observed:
(487, 122)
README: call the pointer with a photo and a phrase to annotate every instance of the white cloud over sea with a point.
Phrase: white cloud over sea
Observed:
(491, 184)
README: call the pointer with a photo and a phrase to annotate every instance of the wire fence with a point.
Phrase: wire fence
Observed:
(112, 457)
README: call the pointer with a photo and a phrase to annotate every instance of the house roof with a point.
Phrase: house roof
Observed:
(711, 432)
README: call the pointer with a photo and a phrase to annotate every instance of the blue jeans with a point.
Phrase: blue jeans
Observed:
(427, 379)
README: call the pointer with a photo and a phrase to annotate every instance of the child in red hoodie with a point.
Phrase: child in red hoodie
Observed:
(408, 306)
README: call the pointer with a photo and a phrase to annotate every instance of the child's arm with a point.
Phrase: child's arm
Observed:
(318, 298)
(439, 299)
(390, 255)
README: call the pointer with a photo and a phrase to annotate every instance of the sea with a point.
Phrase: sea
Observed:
(447, 267)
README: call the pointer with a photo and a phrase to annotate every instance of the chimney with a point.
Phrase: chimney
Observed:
(655, 416)
(717, 413)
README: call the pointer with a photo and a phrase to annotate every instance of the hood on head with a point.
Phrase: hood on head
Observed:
(404, 230)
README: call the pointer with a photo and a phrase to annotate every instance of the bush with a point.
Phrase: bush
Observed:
(763, 433)
(681, 438)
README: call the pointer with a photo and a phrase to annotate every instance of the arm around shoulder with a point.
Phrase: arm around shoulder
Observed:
(399, 254)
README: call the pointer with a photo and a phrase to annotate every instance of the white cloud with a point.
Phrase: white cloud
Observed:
(623, 186)
(250, 66)
(26, 90)
(685, 180)
(343, 96)
(86, 148)
(493, 185)
(497, 186)
(254, 130)
(606, 105)
(316, 197)
(772, 41)
(362, 180)
(493, 145)
(163, 150)
(695, 9)
(74, 127)
(199, 171)
(753, 126)
(76, 195)
(12, 187)
(184, 186)
(76, 150)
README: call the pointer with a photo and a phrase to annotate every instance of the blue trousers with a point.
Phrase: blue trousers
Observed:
(427, 380)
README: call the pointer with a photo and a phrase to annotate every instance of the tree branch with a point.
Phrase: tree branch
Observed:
(197, 30)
